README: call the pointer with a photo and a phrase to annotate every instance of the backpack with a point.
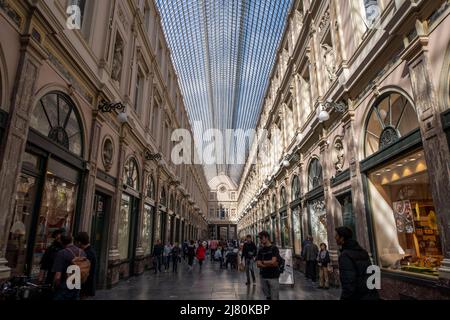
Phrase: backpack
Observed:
(83, 263)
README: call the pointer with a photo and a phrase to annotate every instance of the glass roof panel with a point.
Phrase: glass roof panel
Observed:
(223, 52)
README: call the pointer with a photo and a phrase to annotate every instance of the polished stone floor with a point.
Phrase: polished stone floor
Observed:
(211, 283)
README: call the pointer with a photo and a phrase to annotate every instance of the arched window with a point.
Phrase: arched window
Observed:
(268, 207)
(56, 117)
(283, 197)
(390, 119)
(171, 201)
(295, 190)
(163, 198)
(150, 187)
(315, 178)
(130, 174)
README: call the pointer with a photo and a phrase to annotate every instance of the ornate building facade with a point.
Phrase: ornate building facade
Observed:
(222, 204)
(357, 115)
(69, 160)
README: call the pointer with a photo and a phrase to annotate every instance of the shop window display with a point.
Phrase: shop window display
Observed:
(147, 229)
(318, 221)
(296, 226)
(405, 222)
(285, 239)
(21, 224)
(124, 226)
(57, 212)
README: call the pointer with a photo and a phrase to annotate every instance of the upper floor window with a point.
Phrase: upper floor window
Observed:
(391, 118)
(138, 91)
(85, 10)
(130, 174)
(163, 198)
(56, 117)
(315, 175)
(273, 204)
(372, 11)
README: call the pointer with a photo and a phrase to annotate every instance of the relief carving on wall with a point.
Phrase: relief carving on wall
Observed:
(338, 156)
(117, 59)
(329, 59)
(107, 154)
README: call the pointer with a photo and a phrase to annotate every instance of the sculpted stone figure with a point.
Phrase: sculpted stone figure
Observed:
(339, 158)
(117, 60)
(329, 58)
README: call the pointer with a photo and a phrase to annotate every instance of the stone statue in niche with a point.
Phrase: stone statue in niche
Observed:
(108, 153)
(339, 156)
(329, 58)
(117, 60)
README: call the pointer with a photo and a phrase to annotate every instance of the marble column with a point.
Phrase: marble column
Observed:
(15, 137)
(358, 199)
(91, 176)
(434, 139)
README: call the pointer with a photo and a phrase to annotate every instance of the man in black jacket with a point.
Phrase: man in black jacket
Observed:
(249, 254)
(46, 275)
(353, 264)
(158, 250)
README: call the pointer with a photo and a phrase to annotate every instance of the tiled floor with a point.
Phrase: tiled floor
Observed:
(211, 283)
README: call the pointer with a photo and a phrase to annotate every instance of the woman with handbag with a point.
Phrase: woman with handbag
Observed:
(323, 260)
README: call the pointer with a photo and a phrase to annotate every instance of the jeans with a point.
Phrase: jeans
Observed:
(175, 263)
(311, 270)
(66, 294)
(271, 288)
(250, 268)
(158, 260)
(166, 262)
(212, 252)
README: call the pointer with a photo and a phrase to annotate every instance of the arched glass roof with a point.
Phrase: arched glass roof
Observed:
(223, 52)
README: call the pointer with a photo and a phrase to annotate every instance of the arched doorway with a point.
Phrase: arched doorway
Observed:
(49, 189)
(403, 219)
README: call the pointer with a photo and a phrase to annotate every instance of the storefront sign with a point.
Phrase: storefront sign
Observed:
(287, 277)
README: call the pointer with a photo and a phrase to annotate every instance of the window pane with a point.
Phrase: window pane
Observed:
(405, 221)
(318, 221)
(124, 226)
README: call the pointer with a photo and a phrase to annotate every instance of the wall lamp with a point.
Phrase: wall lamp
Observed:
(148, 155)
(340, 107)
(107, 107)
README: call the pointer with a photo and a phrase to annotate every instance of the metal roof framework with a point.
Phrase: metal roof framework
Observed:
(223, 52)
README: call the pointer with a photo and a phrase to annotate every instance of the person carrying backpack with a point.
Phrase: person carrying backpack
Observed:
(353, 264)
(70, 255)
(268, 260)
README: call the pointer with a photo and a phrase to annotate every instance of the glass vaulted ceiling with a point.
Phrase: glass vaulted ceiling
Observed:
(223, 52)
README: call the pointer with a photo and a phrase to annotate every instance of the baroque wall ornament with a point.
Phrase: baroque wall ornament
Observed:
(338, 156)
(107, 154)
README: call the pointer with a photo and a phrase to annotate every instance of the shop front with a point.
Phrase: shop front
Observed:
(446, 125)
(406, 236)
(128, 219)
(316, 208)
(3, 120)
(48, 193)
(296, 230)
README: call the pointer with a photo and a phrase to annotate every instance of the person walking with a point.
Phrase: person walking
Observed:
(323, 261)
(82, 242)
(64, 259)
(184, 248)
(310, 252)
(158, 250)
(201, 255)
(353, 264)
(191, 254)
(249, 252)
(213, 248)
(267, 260)
(218, 256)
(176, 256)
(166, 255)
(46, 275)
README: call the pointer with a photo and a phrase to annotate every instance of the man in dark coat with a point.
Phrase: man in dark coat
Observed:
(158, 250)
(249, 252)
(353, 264)
(46, 275)
(310, 252)
(82, 242)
